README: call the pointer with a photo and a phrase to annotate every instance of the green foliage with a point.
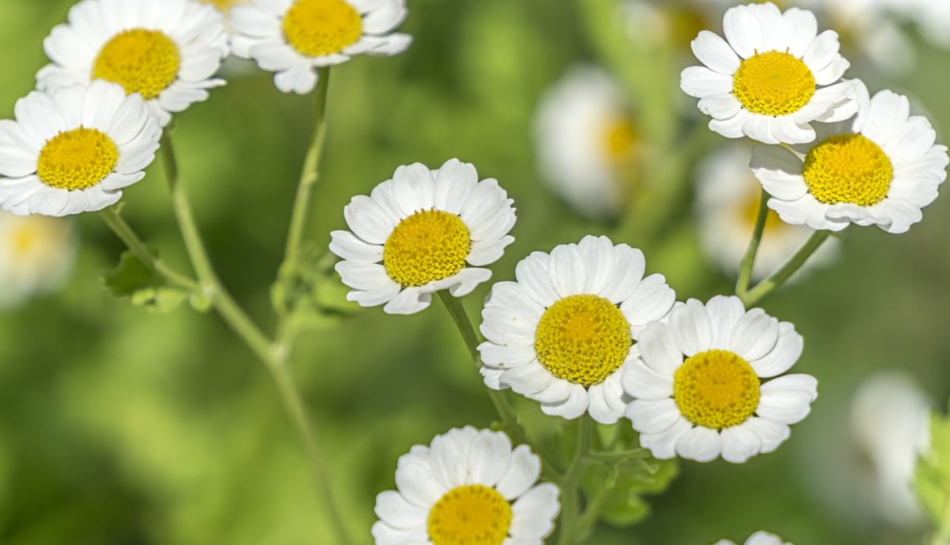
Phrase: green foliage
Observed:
(932, 478)
(144, 287)
(309, 292)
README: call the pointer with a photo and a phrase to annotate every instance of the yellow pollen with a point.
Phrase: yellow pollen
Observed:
(470, 515)
(426, 246)
(77, 159)
(619, 138)
(716, 389)
(773, 83)
(322, 27)
(582, 339)
(848, 168)
(141, 61)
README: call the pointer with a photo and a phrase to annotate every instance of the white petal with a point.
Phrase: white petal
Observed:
(663, 445)
(408, 301)
(715, 53)
(567, 270)
(629, 265)
(785, 353)
(599, 409)
(532, 275)
(691, 328)
(699, 81)
(533, 513)
(651, 301)
(699, 444)
(740, 443)
(658, 349)
(396, 512)
(575, 405)
(772, 433)
(653, 417)
(755, 335)
(641, 382)
(488, 457)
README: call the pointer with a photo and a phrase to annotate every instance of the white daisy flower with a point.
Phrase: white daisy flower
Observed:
(294, 37)
(727, 205)
(561, 333)
(758, 538)
(771, 77)
(697, 390)
(165, 50)
(37, 254)
(467, 486)
(586, 142)
(879, 168)
(74, 151)
(890, 423)
(415, 234)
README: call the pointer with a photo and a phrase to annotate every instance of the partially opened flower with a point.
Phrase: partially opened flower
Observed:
(561, 333)
(419, 232)
(727, 206)
(879, 168)
(37, 254)
(294, 37)
(74, 151)
(697, 386)
(164, 50)
(758, 538)
(587, 142)
(771, 77)
(467, 487)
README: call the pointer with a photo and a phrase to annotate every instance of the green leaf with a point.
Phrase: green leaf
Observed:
(309, 292)
(932, 477)
(144, 288)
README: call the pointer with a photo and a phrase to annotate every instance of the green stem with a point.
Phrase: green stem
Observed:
(570, 505)
(777, 279)
(509, 419)
(310, 174)
(247, 330)
(142, 253)
(748, 260)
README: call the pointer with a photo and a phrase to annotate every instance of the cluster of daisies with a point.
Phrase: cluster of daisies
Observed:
(582, 329)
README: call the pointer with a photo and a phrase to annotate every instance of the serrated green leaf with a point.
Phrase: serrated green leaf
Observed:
(932, 475)
(129, 276)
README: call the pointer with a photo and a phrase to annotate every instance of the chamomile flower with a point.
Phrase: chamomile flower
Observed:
(879, 168)
(37, 254)
(758, 538)
(164, 50)
(586, 142)
(467, 486)
(294, 37)
(74, 151)
(697, 389)
(771, 77)
(416, 233)
(560, 334)
(727, 205)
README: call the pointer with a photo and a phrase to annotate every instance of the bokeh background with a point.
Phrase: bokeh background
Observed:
(124, 426)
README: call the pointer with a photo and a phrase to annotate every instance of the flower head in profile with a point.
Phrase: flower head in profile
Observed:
(37, 254)
(727, 206)
(560, 334)
(586, 142)
(771, 77)
(467, 486)
(164, 50)
(295, 37)
(879, 168)
(74, 151)
(697, 386)
(758, 538)
(419, 233)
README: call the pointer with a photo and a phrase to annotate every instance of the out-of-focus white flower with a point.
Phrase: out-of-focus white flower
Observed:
(890, 423)
(37, 254)
(727, 203)
(586, 142)
(758, 538)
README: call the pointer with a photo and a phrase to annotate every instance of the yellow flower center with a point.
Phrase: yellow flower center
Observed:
(619, 138)
(848, 168)
(716, 389)
(582, 339)
(427, 246)
(322, 27)
(773, 83)
(470, 515)
(141, 61)
(77, 159)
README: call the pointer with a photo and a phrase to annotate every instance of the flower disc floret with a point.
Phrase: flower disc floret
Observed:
(773, 83)
(583, 339)
(848, 168)
(427, 246)
(470, 515)
(716, 389)
(321, 27)
(141, 61)
(77, 159)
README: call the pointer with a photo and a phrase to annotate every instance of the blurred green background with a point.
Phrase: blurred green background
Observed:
(120, 426)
